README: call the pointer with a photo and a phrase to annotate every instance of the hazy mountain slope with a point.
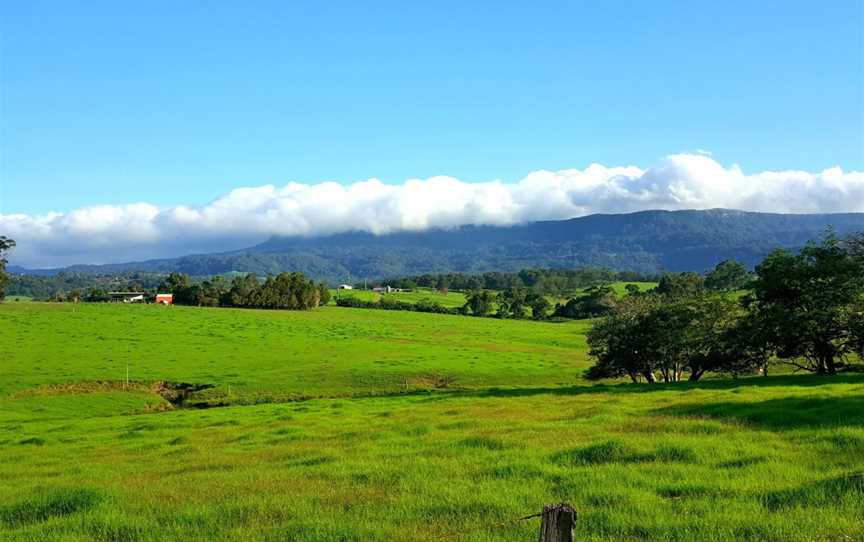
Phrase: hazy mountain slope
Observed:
(646, 241)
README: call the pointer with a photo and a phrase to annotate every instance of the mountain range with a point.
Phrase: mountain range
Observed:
(647, 241)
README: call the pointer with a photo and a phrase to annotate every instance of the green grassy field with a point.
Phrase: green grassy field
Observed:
(620, 288)
(422, 427)
(457, 299)
(450, 299)
(266, 355)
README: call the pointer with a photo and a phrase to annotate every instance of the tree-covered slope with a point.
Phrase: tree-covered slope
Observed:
(648, 241)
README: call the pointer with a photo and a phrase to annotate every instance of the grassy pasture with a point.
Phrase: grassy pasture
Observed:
(450, 299)
(620, 288)
(755, 459)
(455, 299)
(270, 355)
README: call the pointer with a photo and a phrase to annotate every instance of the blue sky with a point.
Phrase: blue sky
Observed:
(177, 103)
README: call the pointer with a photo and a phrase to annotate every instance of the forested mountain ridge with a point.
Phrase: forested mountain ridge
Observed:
(647, 241)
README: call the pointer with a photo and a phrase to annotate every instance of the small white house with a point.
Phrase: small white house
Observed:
(345, 287)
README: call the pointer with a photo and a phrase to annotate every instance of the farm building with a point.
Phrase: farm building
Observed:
(345, 287)
(126, 297)
(386, 289)
(164, 299)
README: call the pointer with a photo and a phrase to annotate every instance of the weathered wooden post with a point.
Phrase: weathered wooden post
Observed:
(557, 523)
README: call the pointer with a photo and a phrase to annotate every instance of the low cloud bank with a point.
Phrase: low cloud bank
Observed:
(115, 233)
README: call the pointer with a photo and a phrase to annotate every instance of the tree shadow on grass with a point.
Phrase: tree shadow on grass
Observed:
(822, 493)
(804, 381)
(785, 413)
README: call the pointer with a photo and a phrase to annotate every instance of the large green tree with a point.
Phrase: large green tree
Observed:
(512, 303)
(727, 275)
(856, 329)
(808, 303)
(539, 305)
(479, 302)
(855, 245)
(596, 301)
(657, 337)
(244, 291)
(622, 342)
(680, 284)
(723, 338)
(6, 245)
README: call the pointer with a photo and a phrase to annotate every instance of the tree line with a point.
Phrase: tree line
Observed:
(83, 286)
(598, 299)
(281, 291)
(291, 291)
(804, 308)
(543, 281)
(6, 245)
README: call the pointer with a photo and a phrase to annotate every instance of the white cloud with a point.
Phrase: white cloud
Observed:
(112, 233)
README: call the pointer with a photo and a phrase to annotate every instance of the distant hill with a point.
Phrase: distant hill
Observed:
(648, 241)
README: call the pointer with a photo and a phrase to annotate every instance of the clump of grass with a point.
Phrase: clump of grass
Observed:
(686, 491)
(607, 499)
(455, 425)
(286, 431)
(116, 529)
(614, 451)
(822, 493)
(35, 441)
(515, 471)
(56, 503)
(672, 454)
(842, 441)
(741, 463)
(611, 451)
(313, 461)
(416, 431)
(485, 443)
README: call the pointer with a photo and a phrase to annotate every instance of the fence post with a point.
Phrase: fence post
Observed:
(557, 523)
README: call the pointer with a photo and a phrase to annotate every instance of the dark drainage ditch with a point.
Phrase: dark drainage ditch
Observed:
(182, 394)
